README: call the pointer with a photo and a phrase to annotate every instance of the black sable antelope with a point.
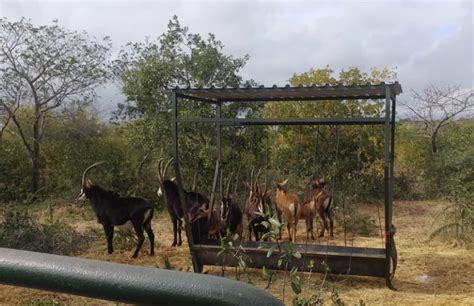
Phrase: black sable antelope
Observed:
(112, 210)
(197, 208)
(230, 212)
(257, 206)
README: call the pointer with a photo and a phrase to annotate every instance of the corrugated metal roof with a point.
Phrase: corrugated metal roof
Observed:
(275, 93)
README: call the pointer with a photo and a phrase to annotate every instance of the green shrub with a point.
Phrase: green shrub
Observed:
(19, 230)
(355, 222)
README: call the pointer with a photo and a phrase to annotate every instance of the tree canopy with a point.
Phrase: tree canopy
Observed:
(45, 67)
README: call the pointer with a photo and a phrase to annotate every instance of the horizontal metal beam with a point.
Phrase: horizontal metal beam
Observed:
(124, 283)
(280, 99)
(286, 121)
(324, 98)
(183, 96)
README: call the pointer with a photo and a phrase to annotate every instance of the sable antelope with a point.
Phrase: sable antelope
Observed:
(288, 208)
(230, 213)
(319, 200)
(256, 206)
(197, 205)
(112, 210)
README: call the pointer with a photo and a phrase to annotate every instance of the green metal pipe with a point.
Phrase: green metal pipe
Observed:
(124, 283)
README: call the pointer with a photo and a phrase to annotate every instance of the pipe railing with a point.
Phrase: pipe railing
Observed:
(124, 283)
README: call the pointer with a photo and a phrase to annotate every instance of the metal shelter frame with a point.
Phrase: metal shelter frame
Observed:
(339, 259)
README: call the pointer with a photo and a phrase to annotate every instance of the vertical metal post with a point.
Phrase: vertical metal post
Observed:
(216, 180)
(387, 183)
(218, 131)
(197, 266)
(392, 159)
(390, 236)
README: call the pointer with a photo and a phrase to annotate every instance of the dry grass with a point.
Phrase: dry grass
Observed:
(429, 272)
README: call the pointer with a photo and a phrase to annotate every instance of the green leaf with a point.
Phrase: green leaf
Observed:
(279, 263)
(242, 264)
(295, 285)
(275, 222)
(267, 235)
(271, 250)
(297, 255)
(266, 275)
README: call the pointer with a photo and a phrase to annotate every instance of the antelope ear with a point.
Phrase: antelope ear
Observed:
(89, 183)
(173, 179)
(284, 182)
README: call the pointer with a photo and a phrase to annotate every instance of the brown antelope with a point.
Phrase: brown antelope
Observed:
(307, 214)
(288, 208)
(319, 200)
(112, 210)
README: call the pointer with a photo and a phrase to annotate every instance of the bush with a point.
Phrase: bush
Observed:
(19, 230)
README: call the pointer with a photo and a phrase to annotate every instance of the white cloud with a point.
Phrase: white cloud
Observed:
(429, 42)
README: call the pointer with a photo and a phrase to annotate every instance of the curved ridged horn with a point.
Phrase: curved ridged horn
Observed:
(160, 174)
(257, 177)
(251, 176)
(89, 168)
(227, 191)
(166, 166)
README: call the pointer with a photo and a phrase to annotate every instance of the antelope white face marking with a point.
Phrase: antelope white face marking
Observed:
(260, 207)
(222, 210)
(82, 195)
(159, 192)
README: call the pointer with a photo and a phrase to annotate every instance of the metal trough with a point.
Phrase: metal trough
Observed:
(334, 259)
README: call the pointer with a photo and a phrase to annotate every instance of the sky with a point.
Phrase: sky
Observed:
(426, 42)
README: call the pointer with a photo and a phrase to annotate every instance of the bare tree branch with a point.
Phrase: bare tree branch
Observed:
(438, 107)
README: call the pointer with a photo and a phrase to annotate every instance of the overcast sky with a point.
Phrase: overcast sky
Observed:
(428, 42)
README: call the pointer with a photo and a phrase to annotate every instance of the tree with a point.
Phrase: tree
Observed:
(45, 67)
(178, 57)
(331, 151)
(438, 107)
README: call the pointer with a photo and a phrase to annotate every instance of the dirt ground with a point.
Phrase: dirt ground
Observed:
(429, 272)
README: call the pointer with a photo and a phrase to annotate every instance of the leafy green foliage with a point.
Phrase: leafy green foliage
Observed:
(45, 67)
(301, 153)
(19, 230)
(229, 246)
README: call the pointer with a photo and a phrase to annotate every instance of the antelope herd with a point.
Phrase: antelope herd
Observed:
(205, 222)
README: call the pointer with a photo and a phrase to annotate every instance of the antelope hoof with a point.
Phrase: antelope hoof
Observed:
(173, 244)
(180, 243)
(134, 255)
